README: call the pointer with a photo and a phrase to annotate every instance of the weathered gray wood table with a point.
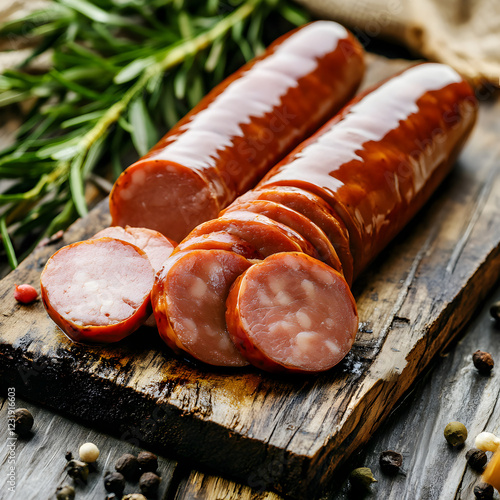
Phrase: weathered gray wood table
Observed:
(451, 390)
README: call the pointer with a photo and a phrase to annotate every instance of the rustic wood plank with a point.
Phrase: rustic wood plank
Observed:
(40, 463)
(453, 390)
(199, 486)
(270, 431)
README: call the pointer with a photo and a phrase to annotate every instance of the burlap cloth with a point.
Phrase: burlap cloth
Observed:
(462, 33)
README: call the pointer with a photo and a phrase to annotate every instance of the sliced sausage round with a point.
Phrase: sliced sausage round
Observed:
(219, 240)
(189, 303)
(98, 290)
(264, 234)
(157, 247)
(314, 208)
(302, 225)
(292, 313)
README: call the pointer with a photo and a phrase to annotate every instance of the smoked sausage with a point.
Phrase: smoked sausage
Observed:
(292, 313)
(156, 246)
(379, 160)
(375, 164)
(98, 290)
(239, 131)
(189, 297)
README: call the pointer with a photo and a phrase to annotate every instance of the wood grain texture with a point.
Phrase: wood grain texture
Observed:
(288, 434)
(41, 465)
(452, 390)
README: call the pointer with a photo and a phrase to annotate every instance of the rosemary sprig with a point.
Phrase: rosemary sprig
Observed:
(122, 73)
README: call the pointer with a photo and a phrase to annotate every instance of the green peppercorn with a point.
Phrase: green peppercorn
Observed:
(361, 478)
(455, 433)
(149, 483)
(114, 482)
(65, 492)
(128, 465)
(79, 471)
(148, 461)
(483, 491)
(23, 421)
(476, 459)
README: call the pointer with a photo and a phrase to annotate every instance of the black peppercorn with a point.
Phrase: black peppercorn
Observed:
(23, 421)
(128, 465)
(476, 459)
(68, 456)
(495, 310)
(390, 462)
(65, 493)
(79, 471)
(483, 362)
(149, 483)
(114, 482)
(483, 491)
(148, 461)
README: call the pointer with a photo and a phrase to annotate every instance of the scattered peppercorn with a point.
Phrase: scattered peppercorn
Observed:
(68, 456)
(361, 478)
(390, 462)
(78, 470)
(148, 461)
(65, 492)
(134, 496)
(149, 483)
(483, 491)
(88, 452)
(476, 459)
(483, 362)
(23, 421)
(25, 294)
(128, 465)
(495, 310)
(455, 433)
(114, 482)
(487, 441)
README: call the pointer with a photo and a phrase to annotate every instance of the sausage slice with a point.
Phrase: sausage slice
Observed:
(156, 246)
(296, 221)
(98, 290)
(189, 297)
(292, 313)
(264, 234)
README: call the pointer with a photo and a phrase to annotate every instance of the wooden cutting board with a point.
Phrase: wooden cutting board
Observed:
(285, 433)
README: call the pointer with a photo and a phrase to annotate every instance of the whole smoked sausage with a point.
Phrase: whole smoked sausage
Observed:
(240, 130)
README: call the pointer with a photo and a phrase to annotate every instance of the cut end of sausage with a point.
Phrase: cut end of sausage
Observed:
(189, 303)
(163, 196)
(98, 290)
(292, 312)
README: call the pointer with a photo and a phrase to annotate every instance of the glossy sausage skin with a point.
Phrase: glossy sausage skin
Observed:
(379, 160)
(315, 209)
(296, 221)
(240, 130)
